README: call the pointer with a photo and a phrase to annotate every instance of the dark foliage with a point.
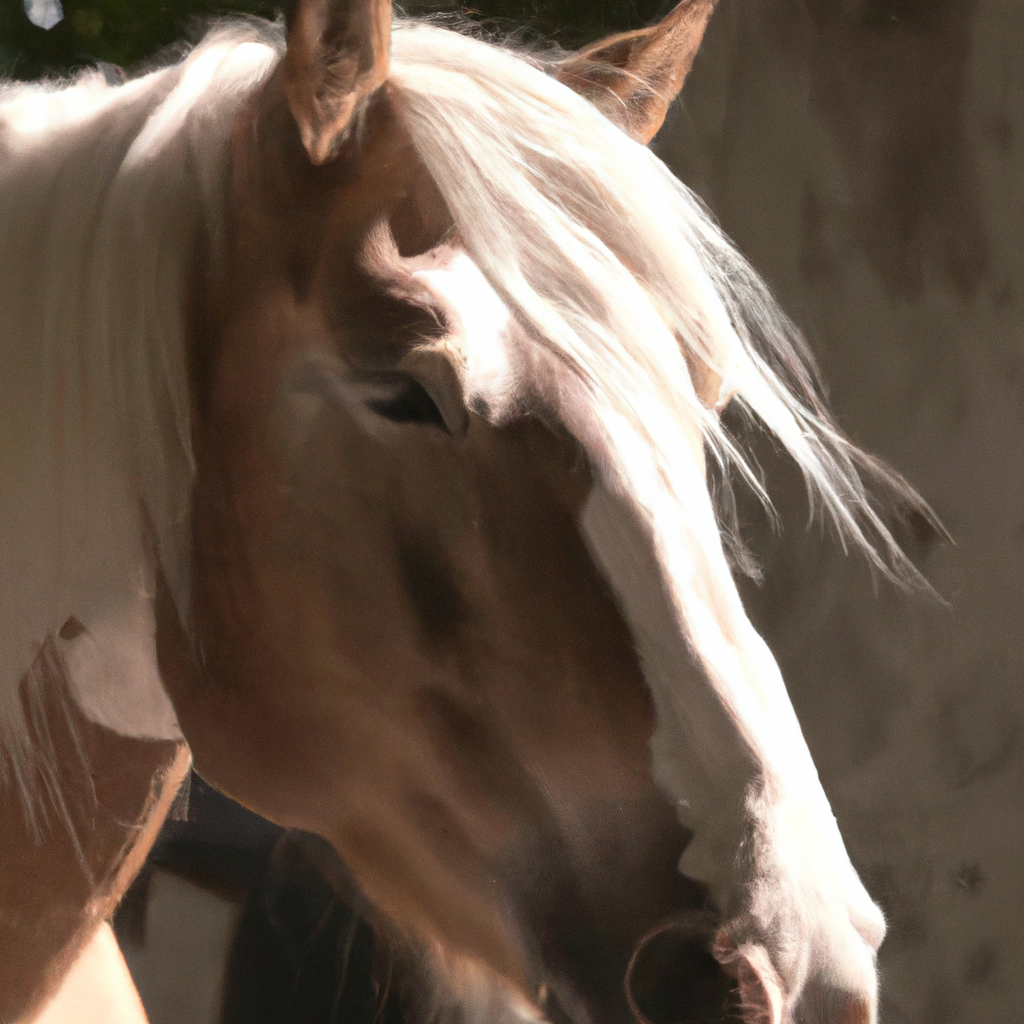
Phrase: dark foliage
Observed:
(129, 33)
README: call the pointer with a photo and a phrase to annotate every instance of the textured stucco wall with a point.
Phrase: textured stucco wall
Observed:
(868, 156)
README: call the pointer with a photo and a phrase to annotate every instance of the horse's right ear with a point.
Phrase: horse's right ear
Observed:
(338, 52)
(634, 76)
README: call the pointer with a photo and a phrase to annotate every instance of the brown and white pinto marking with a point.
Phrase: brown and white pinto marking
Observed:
(427, 546)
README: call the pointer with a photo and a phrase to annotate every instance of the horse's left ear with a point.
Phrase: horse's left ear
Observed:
(338, 53)
(634, 76)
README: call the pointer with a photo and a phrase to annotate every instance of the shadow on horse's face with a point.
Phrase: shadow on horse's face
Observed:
(407, 647)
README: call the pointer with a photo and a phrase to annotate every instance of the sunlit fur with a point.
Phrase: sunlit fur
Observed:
(612, 269)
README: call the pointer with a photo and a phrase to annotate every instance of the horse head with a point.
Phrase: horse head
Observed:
(459, 597)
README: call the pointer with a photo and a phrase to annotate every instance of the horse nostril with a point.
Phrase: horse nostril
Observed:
(672, 977)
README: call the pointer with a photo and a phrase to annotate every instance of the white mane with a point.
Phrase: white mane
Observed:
(103, 192)
(554, 203)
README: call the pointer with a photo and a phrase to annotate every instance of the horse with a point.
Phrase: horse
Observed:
(362, 442)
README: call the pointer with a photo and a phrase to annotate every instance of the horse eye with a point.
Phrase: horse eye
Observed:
(411, 404)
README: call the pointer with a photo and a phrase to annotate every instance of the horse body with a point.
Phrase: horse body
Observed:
(399, 486)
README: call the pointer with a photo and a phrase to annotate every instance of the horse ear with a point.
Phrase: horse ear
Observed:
(634, 76)
(337, 55)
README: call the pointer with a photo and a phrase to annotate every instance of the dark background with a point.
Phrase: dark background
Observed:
(867, 156)
(128, 32)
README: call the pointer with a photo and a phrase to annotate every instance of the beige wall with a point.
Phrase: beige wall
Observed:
(868, 156)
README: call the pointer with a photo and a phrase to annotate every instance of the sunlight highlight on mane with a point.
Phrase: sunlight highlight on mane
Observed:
(555, 203)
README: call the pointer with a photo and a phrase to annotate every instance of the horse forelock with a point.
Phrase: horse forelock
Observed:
(616, 268)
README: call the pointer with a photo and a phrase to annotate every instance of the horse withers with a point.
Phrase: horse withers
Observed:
(379, 370)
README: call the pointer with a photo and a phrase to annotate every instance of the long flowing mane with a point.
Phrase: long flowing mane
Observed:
(617, 267)
(610, 264)
(105, 192)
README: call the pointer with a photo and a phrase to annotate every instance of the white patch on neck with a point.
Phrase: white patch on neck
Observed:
(121, 649)
(71, 531)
